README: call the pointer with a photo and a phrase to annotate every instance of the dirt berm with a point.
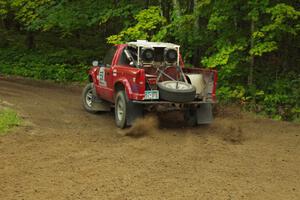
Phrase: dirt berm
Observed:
(62, 152)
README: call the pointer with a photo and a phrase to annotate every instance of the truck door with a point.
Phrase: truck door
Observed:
(105, 87)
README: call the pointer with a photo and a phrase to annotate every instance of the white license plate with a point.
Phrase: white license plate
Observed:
(151, 94)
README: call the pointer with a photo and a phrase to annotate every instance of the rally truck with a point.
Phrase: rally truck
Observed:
(142, 76)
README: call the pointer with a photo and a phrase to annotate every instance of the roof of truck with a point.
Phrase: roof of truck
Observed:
(145, 43)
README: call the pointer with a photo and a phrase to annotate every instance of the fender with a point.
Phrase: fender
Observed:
(125, 83)
(128, 89)
(93, 72)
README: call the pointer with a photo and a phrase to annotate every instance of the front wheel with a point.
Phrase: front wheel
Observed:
(87, 98)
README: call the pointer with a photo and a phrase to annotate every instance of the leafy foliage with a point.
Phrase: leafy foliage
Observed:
(283, 20)
(149, 22)
(27, 10)
(3, 8)
(56, 66)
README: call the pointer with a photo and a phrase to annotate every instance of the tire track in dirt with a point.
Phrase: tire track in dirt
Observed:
(65, 153)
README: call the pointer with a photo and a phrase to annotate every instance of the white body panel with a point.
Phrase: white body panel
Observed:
(198, 82)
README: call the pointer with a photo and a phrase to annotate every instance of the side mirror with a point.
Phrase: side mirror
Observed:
(95, 63)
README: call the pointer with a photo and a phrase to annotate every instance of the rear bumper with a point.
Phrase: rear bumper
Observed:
(169, 102)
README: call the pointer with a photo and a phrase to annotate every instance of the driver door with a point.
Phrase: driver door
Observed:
(105, 76)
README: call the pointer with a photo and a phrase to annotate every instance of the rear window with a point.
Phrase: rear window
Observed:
(123, 60)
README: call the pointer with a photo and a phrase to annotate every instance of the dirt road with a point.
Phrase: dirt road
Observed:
(62, 152)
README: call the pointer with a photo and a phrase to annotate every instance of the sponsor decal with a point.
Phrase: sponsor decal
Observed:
(101, 76)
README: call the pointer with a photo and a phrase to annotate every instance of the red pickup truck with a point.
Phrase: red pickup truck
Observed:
(140, 76)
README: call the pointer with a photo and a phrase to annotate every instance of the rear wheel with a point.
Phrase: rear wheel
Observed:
(190, 117)
(120, 109)
(198, 115)
(126, 111)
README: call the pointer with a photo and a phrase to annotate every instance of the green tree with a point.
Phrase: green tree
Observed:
(3, 8)
(149, 22)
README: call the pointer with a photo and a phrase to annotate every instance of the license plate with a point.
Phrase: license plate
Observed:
(151, 94)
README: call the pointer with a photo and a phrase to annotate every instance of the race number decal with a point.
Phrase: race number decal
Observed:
(101, 76)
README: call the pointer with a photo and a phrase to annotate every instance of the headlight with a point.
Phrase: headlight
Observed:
(171, 55)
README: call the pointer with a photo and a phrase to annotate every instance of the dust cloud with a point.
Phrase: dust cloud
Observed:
(143, 126)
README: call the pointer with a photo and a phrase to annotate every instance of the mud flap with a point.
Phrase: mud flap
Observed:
(204, 114)
(135, 111)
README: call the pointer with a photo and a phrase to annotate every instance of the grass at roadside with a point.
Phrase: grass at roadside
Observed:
(8, 120)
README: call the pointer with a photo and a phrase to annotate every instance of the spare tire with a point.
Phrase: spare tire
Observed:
(176, 91)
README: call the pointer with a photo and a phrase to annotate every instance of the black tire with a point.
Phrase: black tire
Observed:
(126, 111)
(87, 98)
(186, 93)
(190, 117)
(121, 109)
(198, 115)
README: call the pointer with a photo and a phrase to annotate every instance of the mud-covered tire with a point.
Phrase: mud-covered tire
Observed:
(121, 109)
(126, 112)
(200, 115)
(87, 98)
(190, 117)
(184, 93)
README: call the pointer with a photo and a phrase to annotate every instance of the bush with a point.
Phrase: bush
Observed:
(278, 99)
(64, 65)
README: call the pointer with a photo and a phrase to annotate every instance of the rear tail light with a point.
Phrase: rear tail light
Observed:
(215, 79)
(140, 79)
